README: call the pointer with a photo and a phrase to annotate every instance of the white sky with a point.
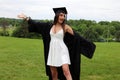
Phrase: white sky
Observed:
(98, 10)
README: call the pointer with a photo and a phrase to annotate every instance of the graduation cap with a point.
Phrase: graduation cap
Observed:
(60, 9)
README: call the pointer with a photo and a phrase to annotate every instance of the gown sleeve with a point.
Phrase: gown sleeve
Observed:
(77, 44)
(86, 47)
(38, 27)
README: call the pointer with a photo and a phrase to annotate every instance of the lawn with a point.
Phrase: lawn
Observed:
(22, 59)
(105, 65)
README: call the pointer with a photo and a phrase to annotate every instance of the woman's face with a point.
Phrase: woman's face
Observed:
(61, 18)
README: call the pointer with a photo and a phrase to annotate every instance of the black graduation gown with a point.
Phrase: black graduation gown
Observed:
(75, 43)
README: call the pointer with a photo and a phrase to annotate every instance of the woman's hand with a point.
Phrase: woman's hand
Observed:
(23, 16)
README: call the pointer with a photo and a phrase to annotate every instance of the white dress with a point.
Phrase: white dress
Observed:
(58, 51)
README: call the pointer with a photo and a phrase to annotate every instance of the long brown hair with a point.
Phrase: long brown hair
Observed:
(56, 20)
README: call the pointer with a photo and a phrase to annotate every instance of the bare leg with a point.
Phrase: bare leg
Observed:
(54, 73)
(66, 71)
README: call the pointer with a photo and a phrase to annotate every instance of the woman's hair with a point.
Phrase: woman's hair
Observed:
(56, 19)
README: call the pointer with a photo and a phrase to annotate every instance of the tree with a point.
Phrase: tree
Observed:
(117, 36)
(90, 34)
(22, 31)
(4, 24)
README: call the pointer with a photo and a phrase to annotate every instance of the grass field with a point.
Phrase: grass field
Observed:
(22, 59)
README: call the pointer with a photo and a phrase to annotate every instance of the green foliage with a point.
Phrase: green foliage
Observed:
(4, 33)
(4, 25)
(104, 23)
(101, 31)
(91, 35)
(22, 32)
(116, 24)
(117, 36)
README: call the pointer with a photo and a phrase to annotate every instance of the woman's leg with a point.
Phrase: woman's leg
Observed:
(66, 71)
(54, 73)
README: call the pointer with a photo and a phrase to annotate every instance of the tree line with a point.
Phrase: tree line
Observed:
(102, 31)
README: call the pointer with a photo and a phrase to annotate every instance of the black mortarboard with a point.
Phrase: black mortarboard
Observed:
(60, 9)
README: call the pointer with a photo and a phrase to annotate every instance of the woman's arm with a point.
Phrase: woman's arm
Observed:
(23, 16)
(69, 29)
(34, 26)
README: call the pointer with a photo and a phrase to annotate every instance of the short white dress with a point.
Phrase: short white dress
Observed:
(58, 51)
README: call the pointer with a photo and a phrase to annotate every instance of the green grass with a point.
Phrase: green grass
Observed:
(105, 65)
(22, 59)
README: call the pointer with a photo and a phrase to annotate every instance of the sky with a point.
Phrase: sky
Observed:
(98, 10)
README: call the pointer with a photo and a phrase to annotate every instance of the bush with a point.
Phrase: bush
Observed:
(22, 32)
(4, 33)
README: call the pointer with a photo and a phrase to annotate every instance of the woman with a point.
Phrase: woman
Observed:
(58, 52)
(60, 58)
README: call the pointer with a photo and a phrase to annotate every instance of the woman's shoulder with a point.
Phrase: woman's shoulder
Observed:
(67, 26)
(68, 29)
